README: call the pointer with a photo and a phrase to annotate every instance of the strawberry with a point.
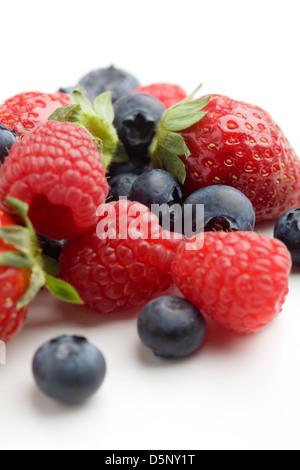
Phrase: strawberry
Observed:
(22, 271)
(231, 143)
(14, 283)
(122, 265)
(26, 110)
(239, 279)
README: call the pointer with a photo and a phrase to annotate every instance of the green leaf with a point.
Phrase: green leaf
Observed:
(70, 113)
(50, 266)
(99, 128)
(185, 115)
(22, 212)
(185, 121)
(104, 107)
(77, 97)
(174, 143)
(189, 97)
(20, 206)
(168, 145)
(16, 259)
(37, 281)
(62, 290)
(17, 236)
(173, 164)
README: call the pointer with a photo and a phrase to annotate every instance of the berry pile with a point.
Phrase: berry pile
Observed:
(112, 193)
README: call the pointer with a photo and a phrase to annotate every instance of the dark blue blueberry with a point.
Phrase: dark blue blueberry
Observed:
(171, 327)
(136, 119)
(69, 369)
(117, 81)
(225, 209)
(157, 187)
(287, 230)
(120, 186)
(7, 140)
(51, 247)
(116, 169)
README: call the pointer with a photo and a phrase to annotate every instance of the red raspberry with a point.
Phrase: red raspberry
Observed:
(58, 171)
(25, 111)
(113, 274)
(167, 93)
(14, 282)
(239, 279)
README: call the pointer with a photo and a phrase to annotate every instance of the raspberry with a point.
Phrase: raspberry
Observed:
(239, 279)
(112, 274)
(58, 171)
(167, 93)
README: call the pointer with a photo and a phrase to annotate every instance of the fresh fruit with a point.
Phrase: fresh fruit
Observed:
(23, 271)
(124, 264)
(14, 282)
(239, 279)
(58, 171)
(166, 93)
(136, 119)
(225, 208)
(7, 140)
(69, 369)
(239, 145)
(120, 186)
(160, 188)
(117, 81)
(25, 111)
(287, 230)
(171, 327)
(116, 168)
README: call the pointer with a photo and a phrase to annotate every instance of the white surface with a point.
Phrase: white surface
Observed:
(236, 393)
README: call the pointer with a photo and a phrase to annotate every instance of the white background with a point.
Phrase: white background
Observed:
(236, 393)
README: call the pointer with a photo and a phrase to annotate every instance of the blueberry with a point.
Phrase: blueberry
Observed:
(136, 119)
(287, 230)
(51, 247)
(120, 186)
(7, 140)
(69, 369)
(116, 169)
(117, 81)
(171, 327)
(225, 209)
(157, 187)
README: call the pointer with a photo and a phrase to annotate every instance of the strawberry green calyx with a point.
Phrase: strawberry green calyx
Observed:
(168, 145)
(29, 255)
(97, 120)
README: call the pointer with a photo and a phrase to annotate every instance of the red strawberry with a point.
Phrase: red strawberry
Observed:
(235, 144)
(26, 110)
(167, 93)
(14, 283)
(239, 279)
(21, 272)
(58, 171)
(121, 271)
